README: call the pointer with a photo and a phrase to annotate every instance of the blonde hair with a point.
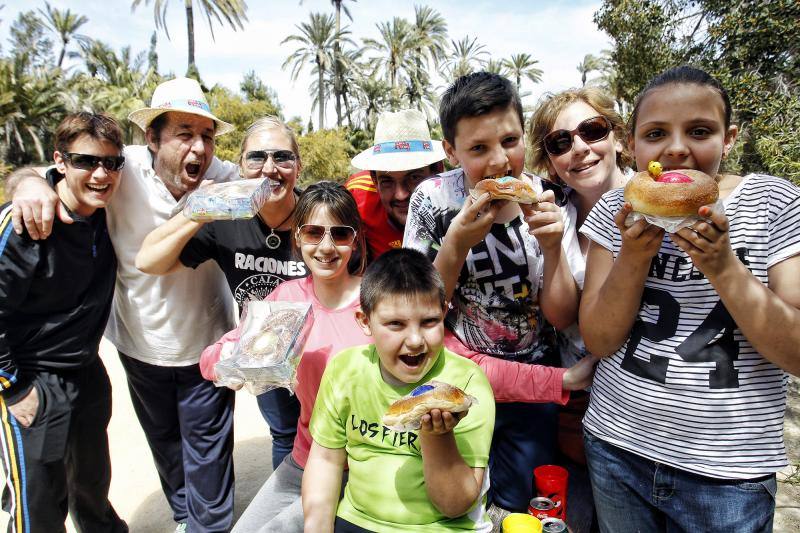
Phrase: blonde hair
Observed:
(270, 122)
(552, 105)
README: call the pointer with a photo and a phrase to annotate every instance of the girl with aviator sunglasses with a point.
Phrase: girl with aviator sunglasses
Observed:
(327, 233)
(577, 140)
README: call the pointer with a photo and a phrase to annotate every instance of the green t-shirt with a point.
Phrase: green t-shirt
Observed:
(386, 488)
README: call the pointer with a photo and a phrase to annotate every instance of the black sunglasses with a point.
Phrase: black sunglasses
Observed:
(314, 233)
(91, 162)
(255, 159)
(590, 130)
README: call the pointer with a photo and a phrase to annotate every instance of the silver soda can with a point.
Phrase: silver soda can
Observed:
(553, 525)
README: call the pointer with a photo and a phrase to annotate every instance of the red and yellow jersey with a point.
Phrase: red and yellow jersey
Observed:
(381, 235)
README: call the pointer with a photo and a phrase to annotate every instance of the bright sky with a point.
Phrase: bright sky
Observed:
(558, 33)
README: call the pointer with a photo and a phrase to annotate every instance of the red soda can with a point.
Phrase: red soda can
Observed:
(553, 525)
(542, 507)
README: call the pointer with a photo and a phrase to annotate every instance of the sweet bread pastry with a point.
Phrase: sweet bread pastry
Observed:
(406, 413)
(674, 193)
(506, 188)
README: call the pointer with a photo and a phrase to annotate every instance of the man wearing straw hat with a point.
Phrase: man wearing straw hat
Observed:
(160, 324)
(402, 156)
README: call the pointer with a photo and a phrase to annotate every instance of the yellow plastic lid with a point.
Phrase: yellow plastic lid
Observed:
(521, 523)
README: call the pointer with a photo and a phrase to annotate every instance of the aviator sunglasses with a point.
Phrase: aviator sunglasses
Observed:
(590, 130)
(314, 233)
(91, 162)
(256, 159)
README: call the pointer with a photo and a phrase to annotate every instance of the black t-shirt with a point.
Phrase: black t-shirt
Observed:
(238, 247)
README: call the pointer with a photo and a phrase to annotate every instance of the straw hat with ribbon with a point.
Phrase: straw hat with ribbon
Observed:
(183, 95)
(402, 142)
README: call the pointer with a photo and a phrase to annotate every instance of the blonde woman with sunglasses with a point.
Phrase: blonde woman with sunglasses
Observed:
(255, 254)
(327, 233)
(578, 141)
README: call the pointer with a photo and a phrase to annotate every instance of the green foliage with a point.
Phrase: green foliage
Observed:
(326, 156)
(240, 112)
(29, 42)
(643, 42)
(749, 45)
(776, 140)
(30, 106)
(296, 125)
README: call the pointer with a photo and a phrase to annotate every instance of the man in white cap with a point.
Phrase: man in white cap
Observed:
(401, 157)
(160, 324)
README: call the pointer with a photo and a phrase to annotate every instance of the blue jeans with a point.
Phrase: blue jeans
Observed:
(281, 410)
(634, 494)
(525, 436)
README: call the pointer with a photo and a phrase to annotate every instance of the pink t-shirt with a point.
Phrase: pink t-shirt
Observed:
(333, 331)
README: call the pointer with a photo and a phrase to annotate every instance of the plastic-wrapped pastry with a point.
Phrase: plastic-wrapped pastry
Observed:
(228, 201)
(271, 343)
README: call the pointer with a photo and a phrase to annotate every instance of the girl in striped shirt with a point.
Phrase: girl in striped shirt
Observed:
(697, 330)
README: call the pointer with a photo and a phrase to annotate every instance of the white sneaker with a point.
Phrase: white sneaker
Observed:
(181, 528)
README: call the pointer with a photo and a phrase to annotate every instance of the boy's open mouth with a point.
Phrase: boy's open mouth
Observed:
(412, 360)
(193, 169)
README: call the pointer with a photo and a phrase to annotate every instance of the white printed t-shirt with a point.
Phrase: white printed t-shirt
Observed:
(161, 320)
(687, 388)
(495, 305)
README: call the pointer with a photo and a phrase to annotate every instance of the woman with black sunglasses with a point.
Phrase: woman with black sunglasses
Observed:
(579, 142)
(255, 254)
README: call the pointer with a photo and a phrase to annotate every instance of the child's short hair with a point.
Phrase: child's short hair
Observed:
(473, 95)
(400, 272)
(97, 126)
(684, 74)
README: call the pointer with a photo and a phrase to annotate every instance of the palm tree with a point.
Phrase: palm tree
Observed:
(64, 24)
(429, 47)
(465, 55)
(338, 66)
(373, 95)
(315, 45)
(351, 70)
(233, 12)
(394, 46)
(29, 107)
(590, 62)
(496, 66)
(523, 65)
(116, 83)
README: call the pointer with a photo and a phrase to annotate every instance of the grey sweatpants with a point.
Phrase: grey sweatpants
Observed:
(277, 507)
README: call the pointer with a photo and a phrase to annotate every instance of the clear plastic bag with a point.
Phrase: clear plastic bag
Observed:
(273, 335)
(671, 224)
(228, 201)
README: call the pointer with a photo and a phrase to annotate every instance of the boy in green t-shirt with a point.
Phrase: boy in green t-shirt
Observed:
(428, 480)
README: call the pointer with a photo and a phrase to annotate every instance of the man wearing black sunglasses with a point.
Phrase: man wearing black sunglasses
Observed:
(55, 395)
(160, 325)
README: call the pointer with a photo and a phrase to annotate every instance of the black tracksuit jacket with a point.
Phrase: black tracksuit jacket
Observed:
(55, 298)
